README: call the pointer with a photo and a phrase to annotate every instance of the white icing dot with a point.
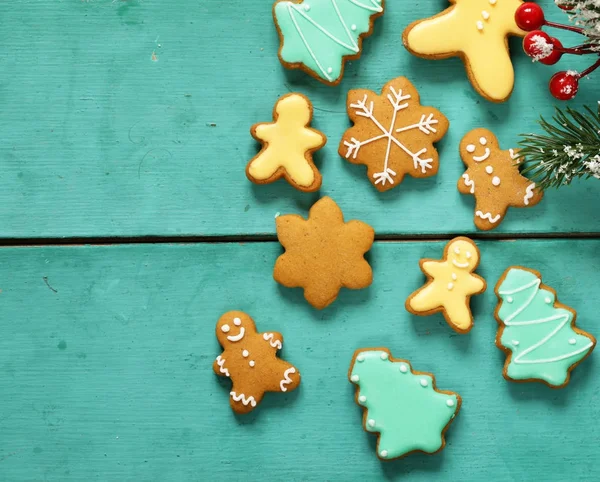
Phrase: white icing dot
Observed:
(483, 141)
(362, 399)
(354, 378)
(509, 299)
(251, 363)
(237, 321)
(450, 403)
(489, 169)
(306, 7)
(245, 353)
(383, 453)
(424, 382)
(515, 343)
(468, 255)
(454, 277)
(496, 181)
(485, 15)
(470, 148)
(360, 358)
(548, 300)
(329, 70)
(403, 368)
(353, 27)
(384, 356)
(572, 341)
(457, 251)
(450, 286)
(479, 25)
(225, 328)
(493, 2)
(371, 423)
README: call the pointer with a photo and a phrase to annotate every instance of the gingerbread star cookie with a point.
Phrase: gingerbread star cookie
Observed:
(450, 285)
(250, 360)
(493, 177)
(323, 253)
(477, 31)
(288, 145)
(393, 135)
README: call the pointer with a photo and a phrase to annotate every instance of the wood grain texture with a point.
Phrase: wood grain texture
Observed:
(106, 375)
(132, 118)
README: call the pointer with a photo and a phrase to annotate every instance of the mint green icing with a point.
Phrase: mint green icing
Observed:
(540, 337)
(319, 33)
(401, 406)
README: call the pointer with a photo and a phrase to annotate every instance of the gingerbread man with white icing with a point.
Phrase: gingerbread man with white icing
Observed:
(493, 177)
(451, 283)
(250, 360)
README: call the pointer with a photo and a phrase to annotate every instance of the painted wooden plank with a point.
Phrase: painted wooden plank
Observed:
(106, 354)
(132, 118)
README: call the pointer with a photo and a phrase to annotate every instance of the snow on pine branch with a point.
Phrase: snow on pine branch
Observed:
(585, 14)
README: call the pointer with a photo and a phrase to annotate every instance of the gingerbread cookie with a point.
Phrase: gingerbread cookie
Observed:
(450, 285)
(250, 360)
(323, 253)
(493, 177)
(319, 36)
(537, 333)
(393, 135)
(403, 406)
(288, 145)
(477, 31)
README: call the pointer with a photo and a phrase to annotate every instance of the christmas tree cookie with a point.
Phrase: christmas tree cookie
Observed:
(450, 285)
(537, 333)
(318, 36)
(288, 145)
(402, 406)
(393, 134)
(476, 31)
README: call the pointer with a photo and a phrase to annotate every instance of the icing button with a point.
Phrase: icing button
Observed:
(515, 343)
(403, 368)
(383, 453)
(489, 169)
(509, 299)
(450, 286)
(362, 399)
(245, 353)
(306, 7)
(384, 356)
(353, 27)
(424, 382)
(371, 423)
(548, 300)
(354, 378)
(496, 181)
(454, 277)
(251, 363)
(450, 403)
(360, 358)
(572, 341)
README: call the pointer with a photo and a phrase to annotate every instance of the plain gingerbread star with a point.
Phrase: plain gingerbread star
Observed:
(450, 285)
(494, 179)
(288, 145)
(250, 360)
(477, 31)
(323, 253)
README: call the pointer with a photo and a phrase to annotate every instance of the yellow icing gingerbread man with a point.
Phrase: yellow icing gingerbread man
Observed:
(476, 31)
(450, 285)
(288, 144)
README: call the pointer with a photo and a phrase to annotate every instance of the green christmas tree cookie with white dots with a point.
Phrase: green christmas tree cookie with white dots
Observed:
(403, 406)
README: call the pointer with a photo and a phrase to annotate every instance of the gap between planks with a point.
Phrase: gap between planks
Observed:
(271, 238)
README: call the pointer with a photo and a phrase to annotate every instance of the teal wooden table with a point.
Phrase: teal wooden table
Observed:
(128, 227)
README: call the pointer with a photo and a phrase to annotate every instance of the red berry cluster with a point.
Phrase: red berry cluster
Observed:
(549, 50)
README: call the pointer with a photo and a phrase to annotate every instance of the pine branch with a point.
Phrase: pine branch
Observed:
(570, 149)
(585, 14)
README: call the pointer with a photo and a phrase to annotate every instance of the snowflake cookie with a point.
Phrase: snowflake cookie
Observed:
(493, 177)
(323, 253)
(403, 406)
(476, 31)
(537, 333)
(450, 285)
(288, 145)
(318, 36)
(393, 135)
(250, 360)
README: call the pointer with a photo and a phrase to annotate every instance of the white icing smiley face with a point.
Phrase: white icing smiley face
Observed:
(472, 149)
(462, 255)
(233, 330)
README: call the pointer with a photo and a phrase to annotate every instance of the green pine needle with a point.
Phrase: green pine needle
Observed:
(570, 149)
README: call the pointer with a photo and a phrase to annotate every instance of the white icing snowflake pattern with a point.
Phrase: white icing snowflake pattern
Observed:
(399, 101)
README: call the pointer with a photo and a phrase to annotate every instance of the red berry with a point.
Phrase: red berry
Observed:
(530, 16)
(567, 7)
(556, 53)
(564, 85)
(538, 44)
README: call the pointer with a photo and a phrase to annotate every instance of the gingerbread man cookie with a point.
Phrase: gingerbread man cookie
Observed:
(476, 31)
(250, 360)
(493, 177)
(288, 145)
(450, 285)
